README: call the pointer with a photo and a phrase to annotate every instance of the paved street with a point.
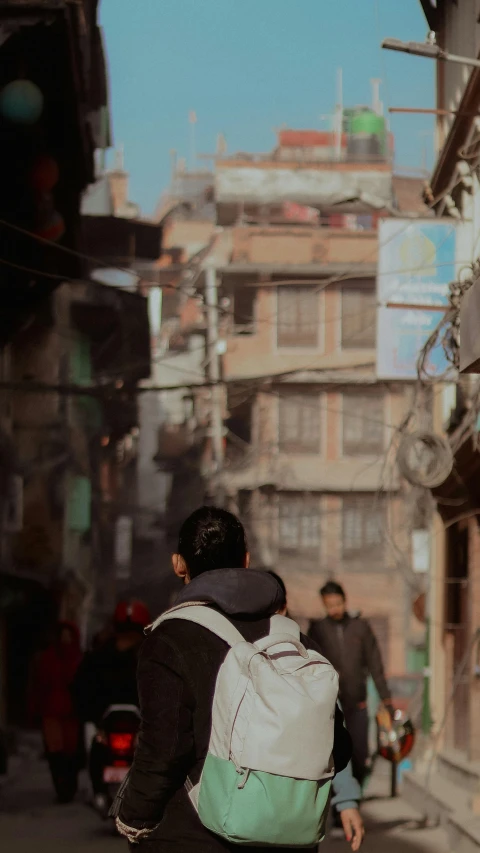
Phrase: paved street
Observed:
(392, 826)
(31, 823)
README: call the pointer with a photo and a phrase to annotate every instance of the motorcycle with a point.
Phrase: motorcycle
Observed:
(112, 754)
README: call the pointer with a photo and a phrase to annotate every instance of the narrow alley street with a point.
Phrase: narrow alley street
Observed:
(392, 826)
(31, 823)
(239, 424)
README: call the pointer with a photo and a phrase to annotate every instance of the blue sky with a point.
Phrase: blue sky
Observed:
(249, 66)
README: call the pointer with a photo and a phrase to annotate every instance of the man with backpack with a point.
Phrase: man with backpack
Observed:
(241, 733)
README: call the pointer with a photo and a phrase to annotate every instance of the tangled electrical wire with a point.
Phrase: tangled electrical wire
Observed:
(424, 459)
(447, 333)
(439, 451)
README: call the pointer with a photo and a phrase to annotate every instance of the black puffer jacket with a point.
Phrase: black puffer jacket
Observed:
(351, 646)
(178, 667)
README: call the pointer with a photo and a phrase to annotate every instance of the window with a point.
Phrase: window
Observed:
(244, 310)
(299, 422)
(363, 521)
(297, 324)
(359, 317)
(363, 424)
(240, 421)
(299, 524)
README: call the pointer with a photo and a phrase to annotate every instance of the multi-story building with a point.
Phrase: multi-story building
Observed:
(446, 783)
(309, 425)
(293, 240)
(54, 114)
(72, 347)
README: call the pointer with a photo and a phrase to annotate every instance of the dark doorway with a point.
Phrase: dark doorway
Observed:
(457, 623)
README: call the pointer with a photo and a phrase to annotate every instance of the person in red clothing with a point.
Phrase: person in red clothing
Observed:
(51, 702)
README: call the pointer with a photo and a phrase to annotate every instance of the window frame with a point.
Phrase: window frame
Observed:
(365, 337)
(373, 553)
(364, 424)
(242, 324)
(298, 444)
(296, 342)
(301, 546)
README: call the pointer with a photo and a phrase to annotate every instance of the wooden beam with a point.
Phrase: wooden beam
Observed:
(433, 112)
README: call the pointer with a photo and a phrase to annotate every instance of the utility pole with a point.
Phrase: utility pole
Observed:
(216, 414)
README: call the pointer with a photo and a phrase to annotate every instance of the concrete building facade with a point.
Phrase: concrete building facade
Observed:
(446, 780)
(309, 426)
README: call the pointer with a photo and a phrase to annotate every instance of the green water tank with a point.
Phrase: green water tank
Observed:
(367, 137)
(368, 122)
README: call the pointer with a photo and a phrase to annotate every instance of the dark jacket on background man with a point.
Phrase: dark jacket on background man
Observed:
(178, 668)
(351, 647)
(106, 677)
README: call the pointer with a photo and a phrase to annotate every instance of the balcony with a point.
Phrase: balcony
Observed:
(347, 187)
(298, 246)
(307, 472)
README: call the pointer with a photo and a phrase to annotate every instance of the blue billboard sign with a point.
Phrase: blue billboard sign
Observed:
(416, 264)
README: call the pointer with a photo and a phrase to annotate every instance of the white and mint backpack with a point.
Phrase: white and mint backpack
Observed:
(267, 775)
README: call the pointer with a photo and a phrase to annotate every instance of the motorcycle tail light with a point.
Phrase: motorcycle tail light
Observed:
(121, 741)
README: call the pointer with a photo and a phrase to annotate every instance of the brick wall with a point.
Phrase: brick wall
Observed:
(301, 245)
(379, 590)
(246, 353)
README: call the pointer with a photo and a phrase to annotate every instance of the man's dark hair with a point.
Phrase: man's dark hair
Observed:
(332, 588)
(281, 585)
(212, 538)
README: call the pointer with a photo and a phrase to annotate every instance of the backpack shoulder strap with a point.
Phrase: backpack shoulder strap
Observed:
(284, 625)
(208, 618)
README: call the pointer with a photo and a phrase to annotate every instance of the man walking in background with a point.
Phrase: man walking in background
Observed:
(349, 643)
(346, 789)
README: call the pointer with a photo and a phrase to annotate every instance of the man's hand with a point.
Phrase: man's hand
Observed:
(390, 708)
(353, 827)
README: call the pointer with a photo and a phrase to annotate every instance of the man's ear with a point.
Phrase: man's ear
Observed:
(246, 562)
(180, 568)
